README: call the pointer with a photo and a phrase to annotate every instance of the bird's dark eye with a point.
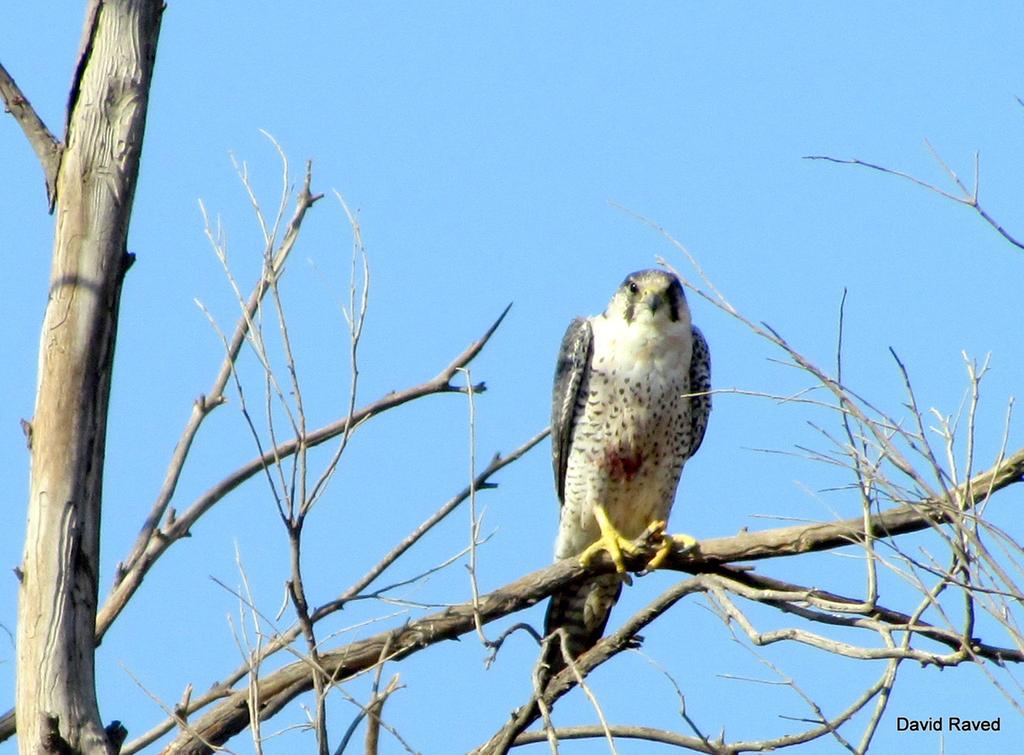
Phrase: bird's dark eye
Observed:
(632, 287)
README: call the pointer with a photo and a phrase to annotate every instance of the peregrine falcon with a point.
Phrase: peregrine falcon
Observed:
(630, 406)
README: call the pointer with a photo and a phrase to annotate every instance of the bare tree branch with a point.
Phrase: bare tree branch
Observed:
(645, 733)
(228, 717)
(786, 597)
(966, 198)
(46, 146)
(284, 639)
(578, 668)
(215, 396)
(178, 528)
(827, 607)
(911, 517)
(282, 686)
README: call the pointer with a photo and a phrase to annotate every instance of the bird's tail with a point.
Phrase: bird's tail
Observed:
(582, 611)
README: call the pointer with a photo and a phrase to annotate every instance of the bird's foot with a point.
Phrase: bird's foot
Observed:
(615, 545)
(670, 543)
(612, 542)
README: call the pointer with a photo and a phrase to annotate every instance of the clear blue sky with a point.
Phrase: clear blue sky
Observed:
(482, 147)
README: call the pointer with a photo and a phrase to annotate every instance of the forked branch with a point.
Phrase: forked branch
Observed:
(276, 643)
(231, 716)
(178, 528)
(967, 198)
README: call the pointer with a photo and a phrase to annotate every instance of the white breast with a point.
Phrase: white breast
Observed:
(641, 350)
(633, 435)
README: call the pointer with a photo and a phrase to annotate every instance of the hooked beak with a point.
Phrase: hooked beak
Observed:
(652, 302)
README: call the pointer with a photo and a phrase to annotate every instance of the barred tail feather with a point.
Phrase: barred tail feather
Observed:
(582, 610)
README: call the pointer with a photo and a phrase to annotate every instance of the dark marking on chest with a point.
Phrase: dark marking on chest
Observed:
(623, 463)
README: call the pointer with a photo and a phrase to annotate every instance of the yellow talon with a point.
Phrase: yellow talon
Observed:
(611, 541)
(668, 544)
(615, 544)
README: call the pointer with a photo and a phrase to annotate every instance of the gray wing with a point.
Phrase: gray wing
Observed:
(700, 382)
(571, 377)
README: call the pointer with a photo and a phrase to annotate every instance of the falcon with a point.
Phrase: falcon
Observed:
(630, 407)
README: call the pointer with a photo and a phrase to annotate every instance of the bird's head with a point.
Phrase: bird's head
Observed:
(653, 298)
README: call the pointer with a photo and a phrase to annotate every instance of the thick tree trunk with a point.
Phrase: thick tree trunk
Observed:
(56, 697)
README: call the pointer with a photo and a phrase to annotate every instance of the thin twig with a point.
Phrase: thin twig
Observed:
(283, 640)
(474, 521)
(132, 569)
(159, 540)
(968, 198)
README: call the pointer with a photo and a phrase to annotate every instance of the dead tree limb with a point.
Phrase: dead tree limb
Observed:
(231, 715)
(46, 146)
(95, 183)
(178, 528)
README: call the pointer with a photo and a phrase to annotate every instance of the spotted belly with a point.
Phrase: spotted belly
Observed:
(628, 457)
